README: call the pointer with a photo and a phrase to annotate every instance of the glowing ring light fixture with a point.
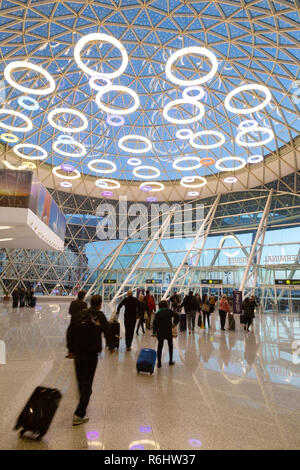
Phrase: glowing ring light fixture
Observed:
(66, 184)
(146, 167)
(99, 87)
(230, 180)
(191, 50)
(248, 124)
(190, 179)
(225, 159)
(134, 161)
(189, 168)
(161, 186)
(10, 138)
(27, 65)
(186, 96)
(184, 134)
(135, 137)
(113, 184)
(255, 159)
(123, 89)
(206, 147)
(100, 37)
(207, 161)
(74, 177)
(28, 157)
(102, 160)
(115, 121)
(34, 104)
(193, 193)
(266, 130)
(68, 154)
(16, 114)
(239, 89)
(179, 102)
(107, 193)
(70, 111)
(66, 139)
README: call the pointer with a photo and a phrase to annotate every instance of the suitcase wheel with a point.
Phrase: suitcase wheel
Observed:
(21, 433)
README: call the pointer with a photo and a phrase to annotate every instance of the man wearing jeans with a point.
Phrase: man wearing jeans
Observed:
(190, 305)
(85, 344)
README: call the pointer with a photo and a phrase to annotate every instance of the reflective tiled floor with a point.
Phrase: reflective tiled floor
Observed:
(228, 390)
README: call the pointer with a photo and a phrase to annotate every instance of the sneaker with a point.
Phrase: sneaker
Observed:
(171, 363)
(77, 420)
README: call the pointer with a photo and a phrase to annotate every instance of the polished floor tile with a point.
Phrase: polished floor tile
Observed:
(227, 390)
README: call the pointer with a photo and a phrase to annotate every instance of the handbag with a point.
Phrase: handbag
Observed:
(205, 308)
(146, 316)
(200, 321)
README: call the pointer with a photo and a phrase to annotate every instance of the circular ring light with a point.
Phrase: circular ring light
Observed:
(27, 65)
(161, 187)
(239, 89)
(207, 161)
(16, 114)
(265, 130)
(190, 179)
(94, 78)
(206, 147)
(107, 193)
(117, 111)
(34, 104)
(191, 50)
(248, 124)
(10, 138)
(184, 134)
(255, 159)
(225, 159)
(70, 111)
(68, 154)
(66, 184)
(183, 159)
(186, 96)
(100, 37)
(135, 137)
(193, 193)
(146, 167)
(134, 161)
(183, 121)
(114, 120)
(66, 139)
(230, 180)
(74, 177)
(23, 155)
(67, 167)
(151, 199)
(113, 184)
(106, 162)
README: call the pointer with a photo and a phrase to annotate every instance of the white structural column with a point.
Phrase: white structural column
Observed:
(208, 220)
(257, 247)
(156, 239)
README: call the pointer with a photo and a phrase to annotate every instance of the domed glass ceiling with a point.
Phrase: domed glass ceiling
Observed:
(253, 43)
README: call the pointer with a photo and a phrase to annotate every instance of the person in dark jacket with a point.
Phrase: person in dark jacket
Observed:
(253, 304)
(22, 297)
(191, 306)
(162, 326)
(76, 306)
(86, 344)
(15, 297)
(248, 312)
(141, 314)
(131, 305)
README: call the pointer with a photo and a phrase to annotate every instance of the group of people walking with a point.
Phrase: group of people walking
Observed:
(23, 298)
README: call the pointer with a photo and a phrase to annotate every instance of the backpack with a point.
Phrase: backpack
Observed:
(86, 335)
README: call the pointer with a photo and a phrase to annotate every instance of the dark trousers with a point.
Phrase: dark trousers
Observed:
(129, 332)
(206, 317)
(140, 324)
(22, 301)
(160, 348)
(15, 303)
(222, 314)
(85, 364)
(248, 323)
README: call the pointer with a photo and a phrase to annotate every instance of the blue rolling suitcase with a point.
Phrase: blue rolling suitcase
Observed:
(146, 361)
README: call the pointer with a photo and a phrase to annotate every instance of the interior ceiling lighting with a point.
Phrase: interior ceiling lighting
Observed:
(136, 172)
(24, 166)
(27, 65)
(187, 96)
(110, 184)
(135, 137)
(193, 193)
(67, 111)
(68, 177)
(68, 154)
(29, 157)
(6, 227)
(134, 161)
(93, 84)
(230, 180)
(248, 129)
(255, 159)
(242, 88)
(66, 184)
(184, 134)
(22, 102)
(206, 147)
(67, 167)
(179, 102)
(226, 159)
(207, 161)
(152, 199)
(116, 121)
(66, 139)
(159, 186)
(186, 159)
(120, 88)
(11, 112)
(107, 193)
(10, 138)
(100, 37)
(187, 180)
(249, 123)
(106, 162)
(191, 50)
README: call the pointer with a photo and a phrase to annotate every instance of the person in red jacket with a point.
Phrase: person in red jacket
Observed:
(224, 308)
(151, 308)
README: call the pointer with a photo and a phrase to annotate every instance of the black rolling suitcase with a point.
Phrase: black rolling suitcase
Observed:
(39, 411)
(115, 333)
(182, 321)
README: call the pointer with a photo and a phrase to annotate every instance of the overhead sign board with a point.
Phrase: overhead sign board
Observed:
(211, 281)
(287, 282)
